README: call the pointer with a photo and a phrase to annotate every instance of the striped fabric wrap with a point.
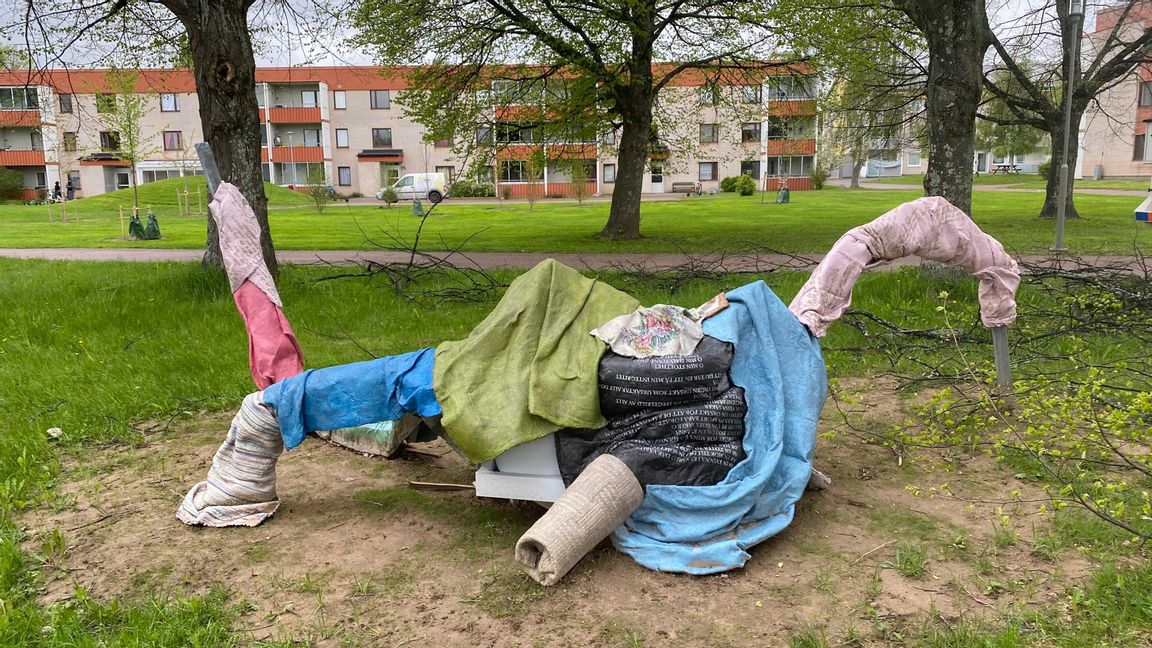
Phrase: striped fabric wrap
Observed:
(241, 485)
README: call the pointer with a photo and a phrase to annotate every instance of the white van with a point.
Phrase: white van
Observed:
(418, 185)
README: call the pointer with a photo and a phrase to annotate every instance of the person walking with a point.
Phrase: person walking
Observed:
(56, 192)
(70, 190)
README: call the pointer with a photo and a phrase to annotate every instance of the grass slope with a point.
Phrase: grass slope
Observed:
(811, 223)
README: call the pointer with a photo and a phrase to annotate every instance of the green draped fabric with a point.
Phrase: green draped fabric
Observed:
(529, 368)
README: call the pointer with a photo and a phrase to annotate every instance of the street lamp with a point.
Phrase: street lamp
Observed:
(292, 157)
(1075, 14)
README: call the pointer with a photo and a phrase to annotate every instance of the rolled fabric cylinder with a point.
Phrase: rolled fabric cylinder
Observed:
(597, 502)
(240, 489)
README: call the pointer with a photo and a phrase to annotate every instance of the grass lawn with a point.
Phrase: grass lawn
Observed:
(811, 223)
(92, 348)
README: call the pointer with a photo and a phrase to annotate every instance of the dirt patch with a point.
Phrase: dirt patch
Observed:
(353, 557)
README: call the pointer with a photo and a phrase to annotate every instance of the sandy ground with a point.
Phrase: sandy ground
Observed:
(355, 558)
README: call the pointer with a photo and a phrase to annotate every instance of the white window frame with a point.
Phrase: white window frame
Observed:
(344, 173)
(913, 155)
(169, 102)
(341, 138)
(387, 103)
(310, 98)
(609, 173)
(339, 100)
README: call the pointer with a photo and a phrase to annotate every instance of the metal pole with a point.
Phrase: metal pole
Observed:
(1001, 359)
(208, 164)
(1075, 12)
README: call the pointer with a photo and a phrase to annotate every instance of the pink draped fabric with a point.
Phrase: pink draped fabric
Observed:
(931, 228)
(273, 353)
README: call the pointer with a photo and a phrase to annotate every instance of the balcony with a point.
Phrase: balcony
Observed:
(791, 147)
(12, 158)
(293, 154)
(11, 118)
(291, 115)
(792, 108)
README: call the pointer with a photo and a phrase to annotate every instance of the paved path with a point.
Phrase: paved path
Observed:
(491, 260)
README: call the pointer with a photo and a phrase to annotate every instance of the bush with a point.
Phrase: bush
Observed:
(818, 176)
(728, 184)
(745, 185)
(388, 195)
(472, 189)
(1044, 169)
(11, 182)
(506, 192)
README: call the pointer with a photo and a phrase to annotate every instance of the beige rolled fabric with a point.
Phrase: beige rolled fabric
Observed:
(600, 499)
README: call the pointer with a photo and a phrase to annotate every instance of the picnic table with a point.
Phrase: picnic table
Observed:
(1005, 168)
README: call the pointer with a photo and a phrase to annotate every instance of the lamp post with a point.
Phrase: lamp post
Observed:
(1075, 14)
(292, 157)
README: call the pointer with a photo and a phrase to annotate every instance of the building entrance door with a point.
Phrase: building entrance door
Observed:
(657, 177)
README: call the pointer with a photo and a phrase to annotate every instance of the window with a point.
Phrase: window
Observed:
(173, 141)
(263, 136)
(750, 168)
(484, 136)
(311, 137)
(776, 128)
(1138, 148)
(449, 173)
(169, 103)
(70, 141)
(512, 170)
(381, 138)
(309, 98)
(709, 133)
(610, 137)
(707, 171)
(657, 170)
(74, 178)
(344, 176)
(1146, 93)
(794, 166)
(750, 93)
(1147, 152)
(709, 94)
(514, 134)
(109, 140)
(341, 138)
(913, 158)
(381, 99)
(260, 95)
(750, 132)
(609, 173)
(65, 103)
(19, 99)
(105, 103)
(790, 88)
(442, 143)
(339, 100)
(41, 180)
(584, 171)
(37, 139)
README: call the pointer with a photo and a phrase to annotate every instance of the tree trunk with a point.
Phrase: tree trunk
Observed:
(1052, 186)
(225, 69)
(632, 164)
(634, 102)
(857, 164)
(958, 35)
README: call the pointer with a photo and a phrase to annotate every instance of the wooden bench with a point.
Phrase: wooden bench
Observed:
(687, 188)
(1005, 169)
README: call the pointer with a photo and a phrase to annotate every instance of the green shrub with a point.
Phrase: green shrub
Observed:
(1044, 169)
(818, 176)
(728, 184)
(745, 185)
(388, 195)
(11, 182)
(472, 189)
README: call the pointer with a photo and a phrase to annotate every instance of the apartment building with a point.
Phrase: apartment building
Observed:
(344, 126)
(1116, 131)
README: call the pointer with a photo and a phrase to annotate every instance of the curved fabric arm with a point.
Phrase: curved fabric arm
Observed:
(931, 228)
